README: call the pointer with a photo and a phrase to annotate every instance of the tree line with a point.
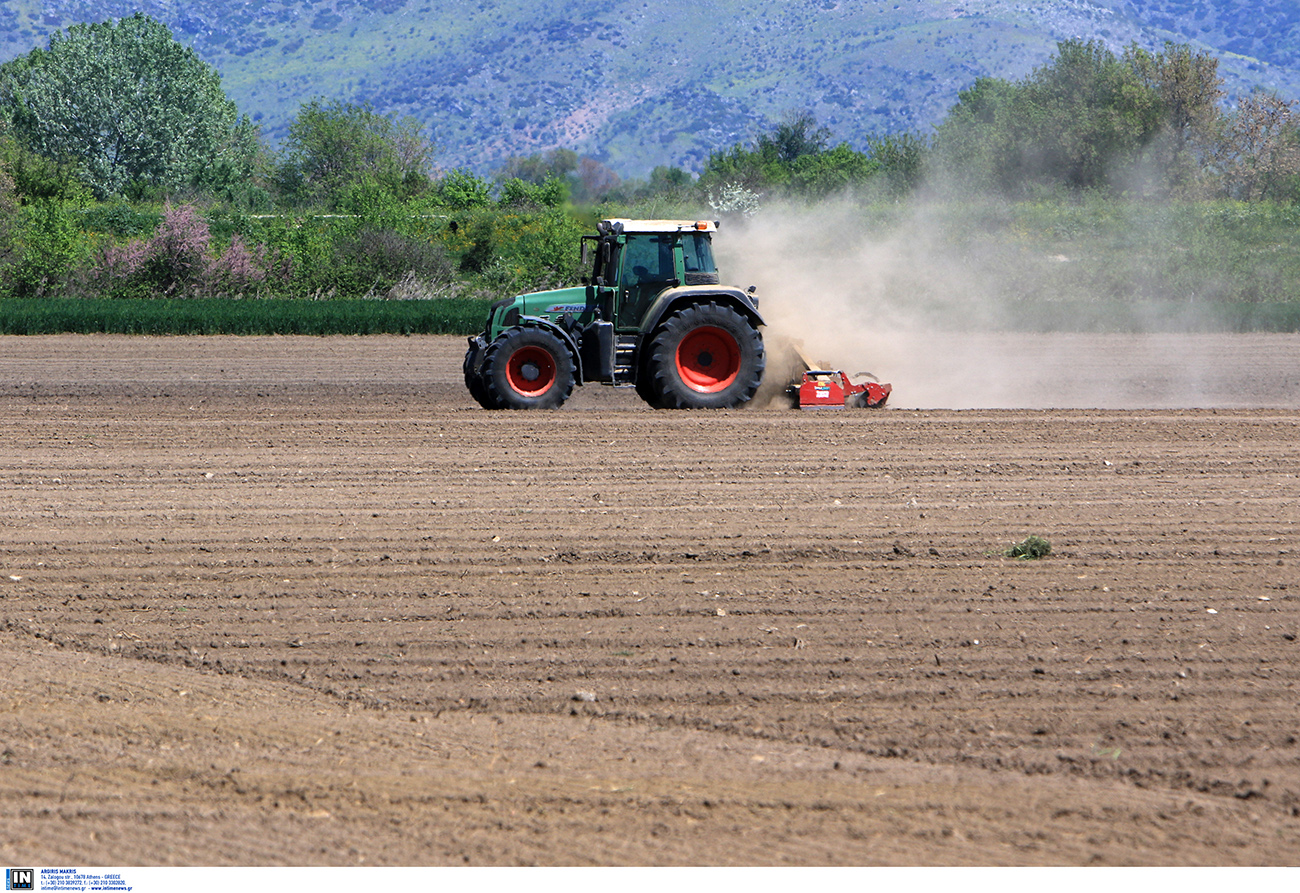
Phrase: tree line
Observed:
(126, 171)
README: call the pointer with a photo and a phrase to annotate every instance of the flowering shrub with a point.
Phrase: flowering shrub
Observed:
(177, 261)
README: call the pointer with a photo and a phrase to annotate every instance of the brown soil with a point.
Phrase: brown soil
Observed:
(299, 601)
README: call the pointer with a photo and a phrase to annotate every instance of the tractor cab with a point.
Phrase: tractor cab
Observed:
(631, 267)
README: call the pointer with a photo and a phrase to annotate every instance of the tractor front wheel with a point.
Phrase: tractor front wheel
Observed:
(528, 367)
(705, 357)
(474, 378)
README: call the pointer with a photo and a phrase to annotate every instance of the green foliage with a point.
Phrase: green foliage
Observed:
(662, 195)
(119, 218)
(511, 251)
(460, 190)
(216, 316)
(1189, 87)
(343, 154)
(586, 180)
(524, 195)
(1029, 549)
(373, 263)
(795, 137)
(1082, 121)
(900, 159)
(821, 174)
(1145, 123)
(8, 203)
(793, 161)
(558, 164)
(49, 249)
(35, 178)
(1257, 155)
(125, 104)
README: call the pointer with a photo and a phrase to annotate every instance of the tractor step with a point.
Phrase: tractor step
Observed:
(624, 358)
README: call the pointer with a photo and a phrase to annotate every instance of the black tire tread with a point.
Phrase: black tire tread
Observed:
(505, 345)
(660, 371)
(474, 381)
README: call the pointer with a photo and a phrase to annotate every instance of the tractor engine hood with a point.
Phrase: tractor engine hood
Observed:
(555, 303)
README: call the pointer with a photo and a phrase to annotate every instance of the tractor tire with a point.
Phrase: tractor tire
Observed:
(528, 367)
(645, 387)
(474, 380)
(705, 357)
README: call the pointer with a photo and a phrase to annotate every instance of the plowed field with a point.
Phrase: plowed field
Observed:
(300, 601)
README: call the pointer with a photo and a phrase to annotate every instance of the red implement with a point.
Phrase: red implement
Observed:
(826, 389)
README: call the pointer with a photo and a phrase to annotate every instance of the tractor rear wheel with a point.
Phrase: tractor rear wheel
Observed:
(705, 357)
(474, 378)
(528, 367)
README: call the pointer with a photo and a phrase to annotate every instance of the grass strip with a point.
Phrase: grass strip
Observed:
(218, 316)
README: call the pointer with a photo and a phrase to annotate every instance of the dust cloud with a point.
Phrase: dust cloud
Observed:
(897, 295)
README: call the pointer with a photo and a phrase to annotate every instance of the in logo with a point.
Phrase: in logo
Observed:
(20, 879)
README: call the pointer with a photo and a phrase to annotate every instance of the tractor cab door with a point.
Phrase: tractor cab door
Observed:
(602, 287)
(647, 269)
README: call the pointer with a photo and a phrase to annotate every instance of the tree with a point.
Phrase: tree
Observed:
(1258, 154)
(124, 103)
(8, 203)
(338, 146)
(792, 159)
(1189, 87)
(796, 136)
(1082, 121)
(972, 142)
(461, 189)
(538, 168)
(1188, 84)
(585, 179)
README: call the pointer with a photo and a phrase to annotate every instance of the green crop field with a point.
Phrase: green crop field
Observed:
(159, 316)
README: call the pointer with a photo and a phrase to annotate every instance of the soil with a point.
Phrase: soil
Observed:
(274, 601)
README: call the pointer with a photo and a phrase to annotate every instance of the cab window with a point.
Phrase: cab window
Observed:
(648, 259)
(697, 252)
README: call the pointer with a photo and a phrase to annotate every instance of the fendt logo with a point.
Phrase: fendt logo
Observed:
(20, 878)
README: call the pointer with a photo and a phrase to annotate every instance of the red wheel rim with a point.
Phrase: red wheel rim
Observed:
(531, 370)
(708, 359)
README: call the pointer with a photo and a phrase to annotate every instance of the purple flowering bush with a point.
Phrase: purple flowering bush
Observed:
(178, 261)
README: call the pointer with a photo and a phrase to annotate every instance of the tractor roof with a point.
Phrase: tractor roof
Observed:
(623, 224)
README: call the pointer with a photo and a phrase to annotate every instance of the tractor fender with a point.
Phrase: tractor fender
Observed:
(673, 299)
(564, 335)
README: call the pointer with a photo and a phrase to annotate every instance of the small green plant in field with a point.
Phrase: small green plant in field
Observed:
(1029, 548)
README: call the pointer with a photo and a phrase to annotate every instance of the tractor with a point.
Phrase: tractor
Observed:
(652, 315)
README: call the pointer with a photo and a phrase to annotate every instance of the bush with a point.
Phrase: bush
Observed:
(1030, 548)
(521, 195)
(119, 219)
(515, 252)
(461, 190)
(49, 249)
(178, 261)
(373, 262)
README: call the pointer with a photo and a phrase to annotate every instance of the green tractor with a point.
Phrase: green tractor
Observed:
(652, 316)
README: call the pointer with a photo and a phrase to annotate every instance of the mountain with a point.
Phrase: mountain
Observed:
(638, 84)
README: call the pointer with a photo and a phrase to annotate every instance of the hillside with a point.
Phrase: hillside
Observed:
(636, 84)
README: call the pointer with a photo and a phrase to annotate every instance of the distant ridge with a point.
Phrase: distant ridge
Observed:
(637, 84)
